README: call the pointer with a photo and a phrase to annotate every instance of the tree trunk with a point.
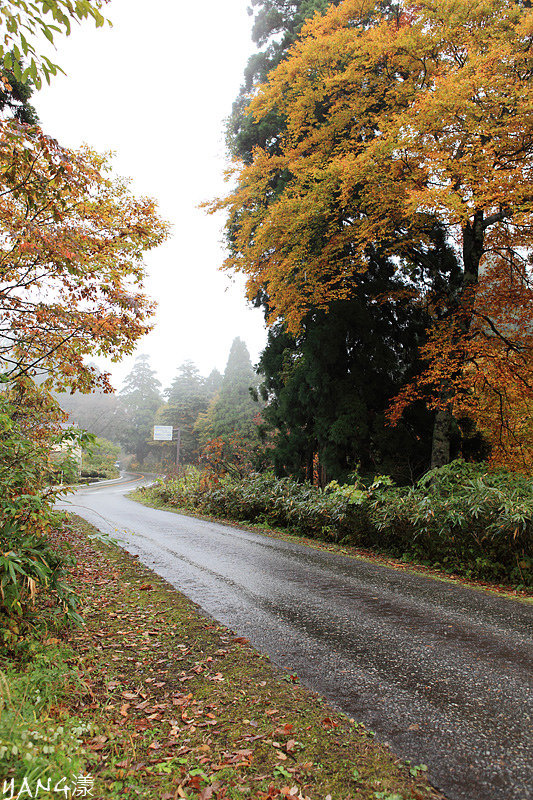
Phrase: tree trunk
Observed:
(440, 450)
(473, 241)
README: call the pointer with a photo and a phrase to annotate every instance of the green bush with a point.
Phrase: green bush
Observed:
(461, 518)
(99, 458)
(29, 565)
(464, 519)
(35, 742)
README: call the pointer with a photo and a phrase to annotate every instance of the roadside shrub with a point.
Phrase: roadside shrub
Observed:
(29, 565)
(36, 740)
(98, 460)
(261, 498)
(460, 518)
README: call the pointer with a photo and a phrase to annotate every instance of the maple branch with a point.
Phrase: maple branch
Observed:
(511, 346)
(498, 216)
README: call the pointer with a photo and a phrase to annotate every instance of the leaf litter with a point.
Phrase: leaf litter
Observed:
(181, 707)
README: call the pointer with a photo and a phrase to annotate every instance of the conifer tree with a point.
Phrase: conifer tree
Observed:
(140, 400)
(188, 397)
(235, 408)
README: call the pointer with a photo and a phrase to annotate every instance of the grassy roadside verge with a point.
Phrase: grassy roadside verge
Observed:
(152, 700)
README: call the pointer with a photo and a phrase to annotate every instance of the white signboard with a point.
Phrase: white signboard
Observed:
(162, 433)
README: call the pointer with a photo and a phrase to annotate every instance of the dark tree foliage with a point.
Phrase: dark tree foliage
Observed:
(327, 390)
(140, 398)
(14, 98)
(277, 23)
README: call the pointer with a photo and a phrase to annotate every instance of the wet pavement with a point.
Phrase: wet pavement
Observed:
(441, 672)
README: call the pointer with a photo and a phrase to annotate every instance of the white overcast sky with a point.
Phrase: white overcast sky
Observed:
(155, 88)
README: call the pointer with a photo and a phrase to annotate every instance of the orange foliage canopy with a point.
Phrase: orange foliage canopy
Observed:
(71, 259)
(393, 118)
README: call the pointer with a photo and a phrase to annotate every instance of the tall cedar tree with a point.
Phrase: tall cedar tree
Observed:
(328, 388)
(397, 114)
(277, 25)
(234, 409)
(140, 398)
(188, 397)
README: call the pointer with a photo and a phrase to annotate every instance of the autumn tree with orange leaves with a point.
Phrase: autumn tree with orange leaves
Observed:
(71, 259)
(399, 116)
(72, 241)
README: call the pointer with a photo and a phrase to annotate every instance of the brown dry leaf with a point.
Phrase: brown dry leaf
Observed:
(124, 709)
(130, 695)
(98, 743)
(291, 744)
(281, 756)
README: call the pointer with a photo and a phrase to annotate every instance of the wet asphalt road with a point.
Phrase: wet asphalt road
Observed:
(441, 672)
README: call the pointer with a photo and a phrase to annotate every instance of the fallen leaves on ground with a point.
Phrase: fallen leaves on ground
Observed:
(183, 708)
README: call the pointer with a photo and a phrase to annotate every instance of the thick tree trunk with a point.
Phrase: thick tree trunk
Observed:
(440, 450)
(473, 240)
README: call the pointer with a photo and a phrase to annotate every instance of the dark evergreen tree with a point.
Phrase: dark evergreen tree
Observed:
(328, 390)
(277, 23)
(140, 398)
(188, 397)
(235, 409)
(14, 98)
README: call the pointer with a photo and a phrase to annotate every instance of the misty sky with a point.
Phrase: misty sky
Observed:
(155, 89)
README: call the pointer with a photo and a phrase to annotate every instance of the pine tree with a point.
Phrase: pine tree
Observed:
(235, 409)
(140, 399)
(188, 397)
(327, 389)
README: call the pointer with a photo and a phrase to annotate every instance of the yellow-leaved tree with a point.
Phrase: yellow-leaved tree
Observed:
(399, 116)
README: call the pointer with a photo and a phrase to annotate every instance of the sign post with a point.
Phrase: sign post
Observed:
(162, 433)
(178, 443)
(165, 433)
